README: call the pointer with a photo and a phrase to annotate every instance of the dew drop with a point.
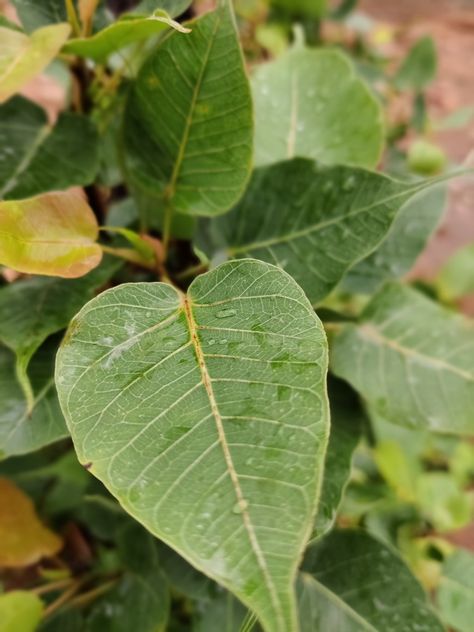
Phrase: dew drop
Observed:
(211, 342)
(349, 183)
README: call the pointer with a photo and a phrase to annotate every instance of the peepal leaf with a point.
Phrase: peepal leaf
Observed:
(53, 234)
(313, 221)
(36, 157)
(23, 57)
(127, 30)
(20, 610)
(188, 121)
(25, 540)
(351, 582)
(310, 103)
(206, 416)
(412, 360)
(21, 430)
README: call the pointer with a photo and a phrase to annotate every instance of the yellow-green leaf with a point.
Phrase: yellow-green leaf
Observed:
(52, 234)
(20, 611)
(24, 539)
(22, 57)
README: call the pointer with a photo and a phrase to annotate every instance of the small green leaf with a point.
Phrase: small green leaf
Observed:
(36, 157)
(206, 416)
(426, 158)
(21, 431)
(456, 278)
(188, 121)
(305, 8)
(419, 67)
(347, 418)
(414, 361)
(20, 611)
(313, 221)
(410, 232)
(53, 234)
(23, 57)
(128, 29)
(455, 597)
(310, 103)
(351, 582)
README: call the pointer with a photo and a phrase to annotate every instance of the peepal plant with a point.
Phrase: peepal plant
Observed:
(201, 226)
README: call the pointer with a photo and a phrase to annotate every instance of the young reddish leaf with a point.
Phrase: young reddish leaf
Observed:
(52, 234)
(25, 540)
(23, 57)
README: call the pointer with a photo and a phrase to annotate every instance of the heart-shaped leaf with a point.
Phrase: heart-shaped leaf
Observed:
(310, 103)
(351, 582)
(413, 361)
(206, 416)
(315, 222)
(188, 121)
(36, 157)
(23, 57)
(125, 31)
(53, 234)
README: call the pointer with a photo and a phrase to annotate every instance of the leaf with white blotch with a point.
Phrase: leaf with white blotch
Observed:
(310, 103)
(410, 232)
(36, 157)
(351, 582)
(22, 57)
(22, 431)
(128, 29)
(412, 361)
(52, 234)
(313, 221)
(455, 595)
(206, 416)
(347, 420)
(188, 121)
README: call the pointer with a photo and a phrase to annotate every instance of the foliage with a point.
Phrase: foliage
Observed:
(221, 406)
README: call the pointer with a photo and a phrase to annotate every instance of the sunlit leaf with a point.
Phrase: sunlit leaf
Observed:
(351, 582)
(25, 540)
(127, 30)
(310, 103)
(313, 221)
(455, 596)
(20, 611)
(219, 397)
(22, 57)
(188, 122)
(52, 234)
(22, 431)
(36, 157)
(412, 360)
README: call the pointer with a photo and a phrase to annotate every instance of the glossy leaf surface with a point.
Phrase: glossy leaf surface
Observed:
(52, 234)
(206, 416)
(188, 122)
(311, 104)
(412, 360)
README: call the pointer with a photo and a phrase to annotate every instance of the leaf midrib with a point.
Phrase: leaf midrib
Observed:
(207, 383)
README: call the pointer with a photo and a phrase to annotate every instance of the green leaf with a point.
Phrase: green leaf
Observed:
(34, 13)
(36, 157)
(174, 8)
(24, 57)
(313, 221)
(52, 234)
(206, 416)
(222, 610)
(20, 431)
(456, 278)
(347, 418)
(20, 611)
(414, 361)
(310, 103)
(410, 232)
(306, 8)
(455, 596)
(188, 121)
(33, 309)
(130, 28)
(351, 582)
(419, 67)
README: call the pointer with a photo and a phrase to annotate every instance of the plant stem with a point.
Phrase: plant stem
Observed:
(199, 268)
(60, 601)
(72, 18)
(91, 595)
(57, 585)
(167, 216)
(129, 255)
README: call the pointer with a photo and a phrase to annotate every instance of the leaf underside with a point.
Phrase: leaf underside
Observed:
(206, 416)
